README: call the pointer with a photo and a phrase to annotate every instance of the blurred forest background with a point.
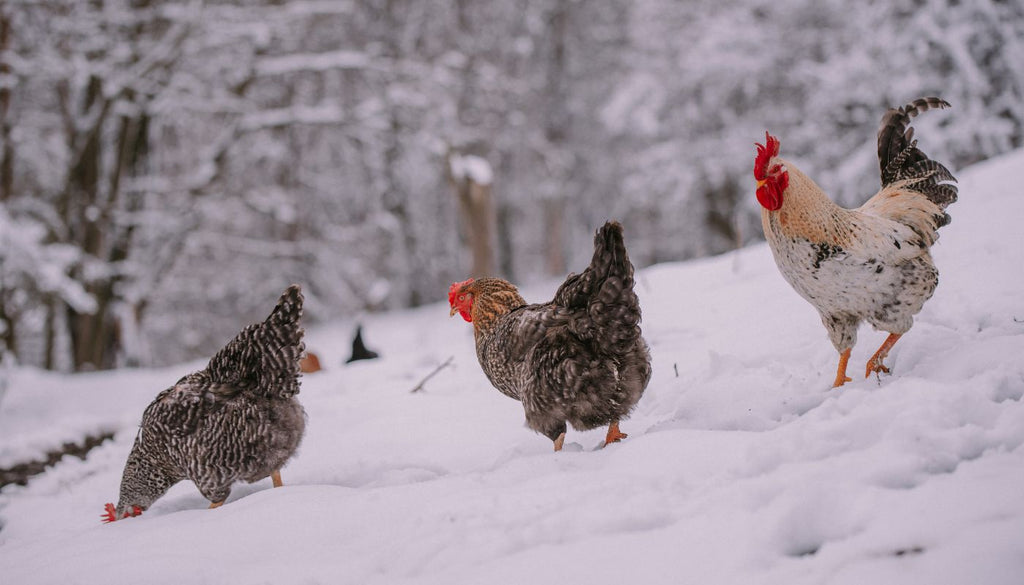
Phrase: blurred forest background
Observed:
(168, 167)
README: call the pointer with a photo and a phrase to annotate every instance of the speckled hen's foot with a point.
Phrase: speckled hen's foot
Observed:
(216, 504)
(841, 377)
(875, 364)
(559, 442)
(614, 434)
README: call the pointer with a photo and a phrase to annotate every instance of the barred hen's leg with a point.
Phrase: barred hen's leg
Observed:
(841, 377)
(216, 504)
(275, 476)
(559, 441)
(875, 363)
(614, 434)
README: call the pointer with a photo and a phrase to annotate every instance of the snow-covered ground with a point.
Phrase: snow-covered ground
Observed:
(742, 465)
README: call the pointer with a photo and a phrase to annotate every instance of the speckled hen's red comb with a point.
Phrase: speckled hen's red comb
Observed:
(110, 513)
(765, 152)
(454, 290)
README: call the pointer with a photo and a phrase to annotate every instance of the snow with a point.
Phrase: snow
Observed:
(742, 465)
(473, 167)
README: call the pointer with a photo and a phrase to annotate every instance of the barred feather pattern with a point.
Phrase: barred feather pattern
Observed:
(900, 160)
(236, 420)
(579, 359)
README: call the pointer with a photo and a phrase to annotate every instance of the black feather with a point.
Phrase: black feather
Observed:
(899, 158)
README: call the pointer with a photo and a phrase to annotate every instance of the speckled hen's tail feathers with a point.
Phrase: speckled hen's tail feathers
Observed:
(605, 291)
(899, 159)
(264, 358)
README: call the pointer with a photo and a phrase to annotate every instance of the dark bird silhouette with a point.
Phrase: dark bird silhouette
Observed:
(359, 350)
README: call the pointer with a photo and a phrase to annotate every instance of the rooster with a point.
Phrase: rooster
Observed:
(866, 264)
(579, 358)
(237, 419)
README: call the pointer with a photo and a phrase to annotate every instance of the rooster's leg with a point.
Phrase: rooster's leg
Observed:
(559, 441)
(275, 476)
(875, 363)
(216, 504)
(841, 377)
(614, 434)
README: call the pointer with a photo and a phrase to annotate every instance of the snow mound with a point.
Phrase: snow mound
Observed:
(742, 465)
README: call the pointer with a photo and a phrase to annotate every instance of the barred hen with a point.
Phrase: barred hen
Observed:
(237, 419)
(579, 358)
(866, 264)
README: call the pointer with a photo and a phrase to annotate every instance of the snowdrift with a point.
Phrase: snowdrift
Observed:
(742, 465)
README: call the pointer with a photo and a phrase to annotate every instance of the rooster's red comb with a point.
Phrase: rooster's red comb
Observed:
(765, 152)
(453, 290)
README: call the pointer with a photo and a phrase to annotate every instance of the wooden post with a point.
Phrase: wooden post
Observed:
(476, 208)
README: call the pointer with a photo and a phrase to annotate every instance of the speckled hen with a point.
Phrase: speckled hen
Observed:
(236, 420)
(866, 264)
(579, 358)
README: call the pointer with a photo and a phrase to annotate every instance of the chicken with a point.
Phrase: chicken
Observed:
(579, 358)
(237, 419)
(867, 264)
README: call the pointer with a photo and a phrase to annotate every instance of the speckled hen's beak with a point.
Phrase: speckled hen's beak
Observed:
(453, 311)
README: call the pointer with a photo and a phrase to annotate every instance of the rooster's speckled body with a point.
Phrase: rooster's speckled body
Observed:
(866, 264)
(236, 420)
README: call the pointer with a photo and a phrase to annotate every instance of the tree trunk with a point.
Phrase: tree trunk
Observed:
(476, 208)
(554, 219)
(6, 148)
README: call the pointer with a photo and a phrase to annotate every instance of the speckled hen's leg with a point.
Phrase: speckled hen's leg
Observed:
(614, 434)
(841, 377)
(559, 441)
(875, 363)
(275, 476)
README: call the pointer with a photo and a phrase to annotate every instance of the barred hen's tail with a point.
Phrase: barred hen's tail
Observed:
(605, 291)
(264, 358)
(899, 159)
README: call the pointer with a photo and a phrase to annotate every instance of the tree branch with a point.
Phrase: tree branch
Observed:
(446, 363)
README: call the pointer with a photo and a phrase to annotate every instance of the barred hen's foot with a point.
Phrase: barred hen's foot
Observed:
(875, 364)
(275, 476)
(841, 377)
(559, 442)
(614, 434)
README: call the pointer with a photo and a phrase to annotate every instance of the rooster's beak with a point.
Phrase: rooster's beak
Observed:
(453, 311)
(761, 183)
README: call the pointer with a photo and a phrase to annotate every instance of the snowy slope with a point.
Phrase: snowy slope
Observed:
(742, 465)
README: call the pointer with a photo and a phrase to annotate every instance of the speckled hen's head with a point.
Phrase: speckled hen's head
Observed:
(772, 179)
(461, 299)
(482, 301)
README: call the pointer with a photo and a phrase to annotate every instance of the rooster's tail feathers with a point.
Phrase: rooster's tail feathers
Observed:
(899, 159)
(264, 357)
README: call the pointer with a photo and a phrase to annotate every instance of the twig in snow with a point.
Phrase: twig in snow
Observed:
(446, 363)
(676, 368)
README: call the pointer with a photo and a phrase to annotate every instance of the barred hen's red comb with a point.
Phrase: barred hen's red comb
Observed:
(454, 290)
(765, 152)
(109, 515)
